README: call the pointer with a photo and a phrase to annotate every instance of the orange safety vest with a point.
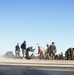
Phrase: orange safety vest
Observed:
(41, 49)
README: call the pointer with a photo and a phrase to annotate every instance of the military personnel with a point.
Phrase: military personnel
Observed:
(17, 51)
(27, 51)
(53, 50)
(23, 47)
(68, 54)
(48, 53)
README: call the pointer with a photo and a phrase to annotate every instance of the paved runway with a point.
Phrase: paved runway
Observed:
(36, 67)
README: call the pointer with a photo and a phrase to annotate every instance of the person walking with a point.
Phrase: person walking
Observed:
(23, 47)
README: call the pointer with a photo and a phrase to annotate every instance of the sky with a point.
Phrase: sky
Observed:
(36, 21)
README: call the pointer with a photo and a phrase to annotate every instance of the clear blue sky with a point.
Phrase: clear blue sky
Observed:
(36, 21)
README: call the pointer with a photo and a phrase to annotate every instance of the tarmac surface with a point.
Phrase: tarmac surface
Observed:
(36, 67)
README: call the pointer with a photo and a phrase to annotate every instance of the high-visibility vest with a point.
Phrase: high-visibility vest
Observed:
(41, 49)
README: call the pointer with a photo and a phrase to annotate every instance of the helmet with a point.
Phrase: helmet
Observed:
(53, 42)
(24, 41)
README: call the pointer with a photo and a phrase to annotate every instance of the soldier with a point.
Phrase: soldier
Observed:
(68, 54)
(53, 50)
(41, 51)
(17, 51)
(48, 51)
(27, 52)
(23, 47)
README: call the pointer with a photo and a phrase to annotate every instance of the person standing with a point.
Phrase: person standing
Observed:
(17, 51)
(53, 50)
(48, 51)
(23, 47)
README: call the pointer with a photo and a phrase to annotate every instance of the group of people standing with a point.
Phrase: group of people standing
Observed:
(25, 51)
(43, 54)
(49, 52)
(17, 50)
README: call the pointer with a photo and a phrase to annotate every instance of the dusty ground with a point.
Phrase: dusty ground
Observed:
(37, 62)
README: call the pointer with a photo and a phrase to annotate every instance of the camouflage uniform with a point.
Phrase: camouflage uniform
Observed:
(17, 51)
(48, 53)
(69, 54)
(53, 50)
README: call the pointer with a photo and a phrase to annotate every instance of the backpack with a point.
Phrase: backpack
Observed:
(21, 46)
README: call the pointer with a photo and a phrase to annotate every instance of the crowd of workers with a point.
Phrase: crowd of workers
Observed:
(43, 53)
(25, 51)
(48, 53)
